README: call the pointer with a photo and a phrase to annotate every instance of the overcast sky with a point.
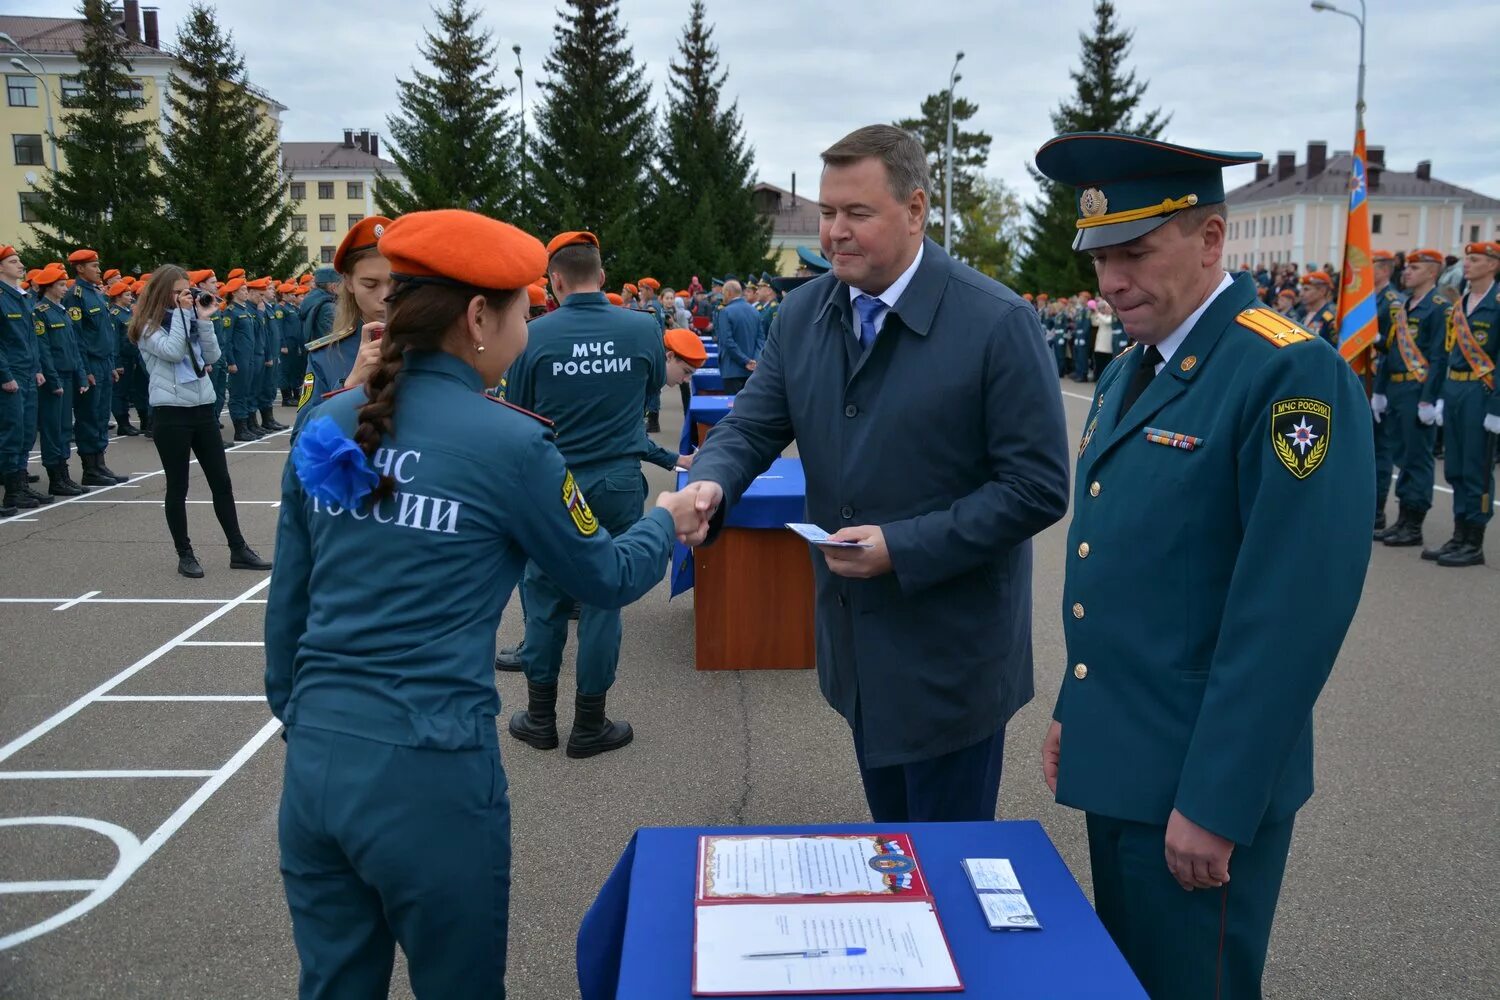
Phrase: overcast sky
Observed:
(1260, 75)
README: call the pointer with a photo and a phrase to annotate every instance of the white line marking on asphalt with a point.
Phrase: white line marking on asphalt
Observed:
(221, 644)
(126, 846)
(78, 775)
(127, 600)
(182, 697)
(76, 885)
(158, 503)
(77, 600)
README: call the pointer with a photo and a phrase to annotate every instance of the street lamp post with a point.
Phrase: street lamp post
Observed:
(1359, 19)
(953, 79)
(41, 85)
(521, 82)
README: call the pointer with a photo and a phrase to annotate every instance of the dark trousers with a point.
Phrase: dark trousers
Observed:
(734, 385)
(1080, 359)
(12, 429)
(1385, 460)
(29, 416)
(1208, 943)
(958, 787)
(1414, 444)
(91, 410)
(1469, 459)
(180, 431)
(54, 418)
(219, 378)
(385, 844)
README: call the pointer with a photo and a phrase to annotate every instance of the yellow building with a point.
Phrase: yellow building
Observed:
(38, 62)
(1295, 212)
(331, 186)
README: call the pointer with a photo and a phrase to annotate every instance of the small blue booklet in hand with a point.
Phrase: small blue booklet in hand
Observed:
(818, 536)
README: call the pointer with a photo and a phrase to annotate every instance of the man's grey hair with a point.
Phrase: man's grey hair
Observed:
(904, 158)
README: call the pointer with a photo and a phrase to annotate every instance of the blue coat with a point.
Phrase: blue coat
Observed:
(948, 434)
(1211, 577)
(738, 330)
(89, 311)
(20, 354)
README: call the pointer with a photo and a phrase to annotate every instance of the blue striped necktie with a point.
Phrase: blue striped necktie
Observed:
(868, 308)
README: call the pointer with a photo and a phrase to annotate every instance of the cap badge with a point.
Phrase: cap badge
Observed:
(1188, 363)
(379, 230)
(1092, 203)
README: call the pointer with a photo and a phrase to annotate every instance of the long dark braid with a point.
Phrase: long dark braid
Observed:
(377, 418)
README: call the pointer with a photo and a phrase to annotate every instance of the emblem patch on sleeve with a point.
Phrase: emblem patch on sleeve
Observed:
(307, 390)
(75, 314)
(578, 508)
(1300, 429)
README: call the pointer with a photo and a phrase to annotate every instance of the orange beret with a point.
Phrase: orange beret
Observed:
(199, 277)
(259, 284)
(628, 287)
(49, 275)
(7, 251)
(687, 345)
(117, 289)
(1040, 296)
(614, 298)
(1317, 278)
(31, 274)
(570, 240)
(536, 295)
(1424, 257)
(1286, 291)
(113, 272)
(1027, 296)
(1382, 256)
(82, 256)
(650, 283)
(1488, 248)
(231, 286)
(463, 248)
(365, 234)
(287, 288)
(238, 272)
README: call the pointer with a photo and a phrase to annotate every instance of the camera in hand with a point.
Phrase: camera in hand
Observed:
(206, 299)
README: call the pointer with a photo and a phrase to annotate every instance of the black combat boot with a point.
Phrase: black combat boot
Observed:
(537, 726)
(1379, 523)
(508, 659)
(42, 499)
(252, 424)
(188, 565)
(268, 420)
(32, 477)
(123, 427)
(243, 556)
(1470, 552)
(1408, 530)
(68, 479)
(92, 474)
(104, 470)
(59, 485)
(1431, 555)
(17, 497)
(593, 732)
(146, 423)
(242, 432)
(7, 511)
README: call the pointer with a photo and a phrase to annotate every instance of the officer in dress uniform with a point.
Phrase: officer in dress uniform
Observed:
(1222, 469)
(1406, 394)
(89, 311)
(1317, 305)
(333, 356)
(67, 379)
(1388, 305)
(586, 368)
(269, 315)
(1469, 407)
(20, 356)
(395, 818)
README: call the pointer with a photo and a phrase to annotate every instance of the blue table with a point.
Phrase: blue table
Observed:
(706, 380)
(777, 496)
(709, 410)
(636, 941)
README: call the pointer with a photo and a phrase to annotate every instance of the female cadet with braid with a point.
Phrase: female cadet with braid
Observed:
(409, 509)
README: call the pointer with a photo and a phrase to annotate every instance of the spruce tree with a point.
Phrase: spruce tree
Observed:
(1106, 98)
(595, 141)
(971, 151)
(103, 195)
(705, 171)
(453, 139)
(225, 203)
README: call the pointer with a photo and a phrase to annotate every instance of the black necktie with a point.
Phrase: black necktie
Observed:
(1143, 376)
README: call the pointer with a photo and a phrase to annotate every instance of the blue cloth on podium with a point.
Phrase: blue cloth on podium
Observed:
(775, 498)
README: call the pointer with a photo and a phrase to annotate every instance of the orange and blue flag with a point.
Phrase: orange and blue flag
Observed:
(1357, 322)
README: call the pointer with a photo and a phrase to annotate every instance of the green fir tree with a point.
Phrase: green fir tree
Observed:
(225, 201)
(103, 195)
(1107, 98)
(971, 151)
(705, 172)
(453, 139)
(595, 139)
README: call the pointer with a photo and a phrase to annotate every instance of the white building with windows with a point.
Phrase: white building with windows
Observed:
(331, 186)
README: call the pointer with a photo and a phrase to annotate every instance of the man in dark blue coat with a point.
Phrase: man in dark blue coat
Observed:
(924, 404)
(738, 330)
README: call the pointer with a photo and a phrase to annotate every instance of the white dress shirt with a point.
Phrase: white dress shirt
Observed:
(1174, 340)
(890, 296)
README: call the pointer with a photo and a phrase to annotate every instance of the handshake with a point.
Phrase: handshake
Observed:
(692, 507)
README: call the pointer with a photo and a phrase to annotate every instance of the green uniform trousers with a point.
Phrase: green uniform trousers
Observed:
(615, 493)
(91, 411)
(1468, 451)
(1208, 944)
(54, 418)
(1414, 442)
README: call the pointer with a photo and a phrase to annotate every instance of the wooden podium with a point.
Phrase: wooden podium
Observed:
(753, 601)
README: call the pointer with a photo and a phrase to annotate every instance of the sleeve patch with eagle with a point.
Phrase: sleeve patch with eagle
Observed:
(1300, 429)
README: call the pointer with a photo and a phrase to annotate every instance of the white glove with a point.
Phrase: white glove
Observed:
(1492, 423)
(1440, 413)
(1378, 405)
(1427, 414)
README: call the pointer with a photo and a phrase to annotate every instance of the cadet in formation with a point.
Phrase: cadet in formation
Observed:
(1388, 306)
(268, 376)
(88, 310)
(21, 364)
(1217, 474)
(1406, 394)
(409, 508)
(66, 378)
(131, 382)
(293, 347)
(587, 367)
(240, 340)
(346, 353)
(1317, 306)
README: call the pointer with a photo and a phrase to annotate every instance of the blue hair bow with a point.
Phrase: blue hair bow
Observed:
(331, 466)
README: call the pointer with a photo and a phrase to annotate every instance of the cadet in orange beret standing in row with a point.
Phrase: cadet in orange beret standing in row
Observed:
(395, 816)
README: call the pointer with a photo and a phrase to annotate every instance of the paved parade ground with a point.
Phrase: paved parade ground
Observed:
(140, 769)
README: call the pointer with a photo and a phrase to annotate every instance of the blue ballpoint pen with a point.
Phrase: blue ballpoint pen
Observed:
(811, 953)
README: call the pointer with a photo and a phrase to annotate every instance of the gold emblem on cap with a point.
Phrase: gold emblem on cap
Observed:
(1092, 203)
(1188, 362)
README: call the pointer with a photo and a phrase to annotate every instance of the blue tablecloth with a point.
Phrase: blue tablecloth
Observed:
(707, 379)
(636, 941)
(777, 496)
(709, 409)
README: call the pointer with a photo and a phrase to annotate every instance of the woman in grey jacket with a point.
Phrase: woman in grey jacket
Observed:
(178, 348)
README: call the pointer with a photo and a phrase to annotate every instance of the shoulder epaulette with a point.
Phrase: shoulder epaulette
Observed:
(42, 305)
(519, 409)
(1272, 326)
(324, 341)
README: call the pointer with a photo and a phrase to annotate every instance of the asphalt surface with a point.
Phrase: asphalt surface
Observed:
(1390, 890)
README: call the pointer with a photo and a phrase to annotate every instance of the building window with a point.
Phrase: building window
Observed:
(327, 255)
(325, 223)
(28, 149)
(1473, 234)
(29, 201)
(299, 223)
(299, 191)
(1403, 225)
(1375, 223)
(21, 91)
(355, 220)
(325, 190)
(136, 91)
(71, 87)
(356, 190)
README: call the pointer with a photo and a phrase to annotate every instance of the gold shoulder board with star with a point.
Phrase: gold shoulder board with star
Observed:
(332, 338)
(1272, 326)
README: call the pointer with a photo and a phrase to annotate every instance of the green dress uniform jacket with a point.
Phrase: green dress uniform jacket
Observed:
(1218, 547)
(1324, 322)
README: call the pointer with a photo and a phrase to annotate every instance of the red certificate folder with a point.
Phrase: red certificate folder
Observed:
(816, 914)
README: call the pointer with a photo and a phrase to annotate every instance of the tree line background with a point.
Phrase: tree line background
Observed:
(668, 190)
